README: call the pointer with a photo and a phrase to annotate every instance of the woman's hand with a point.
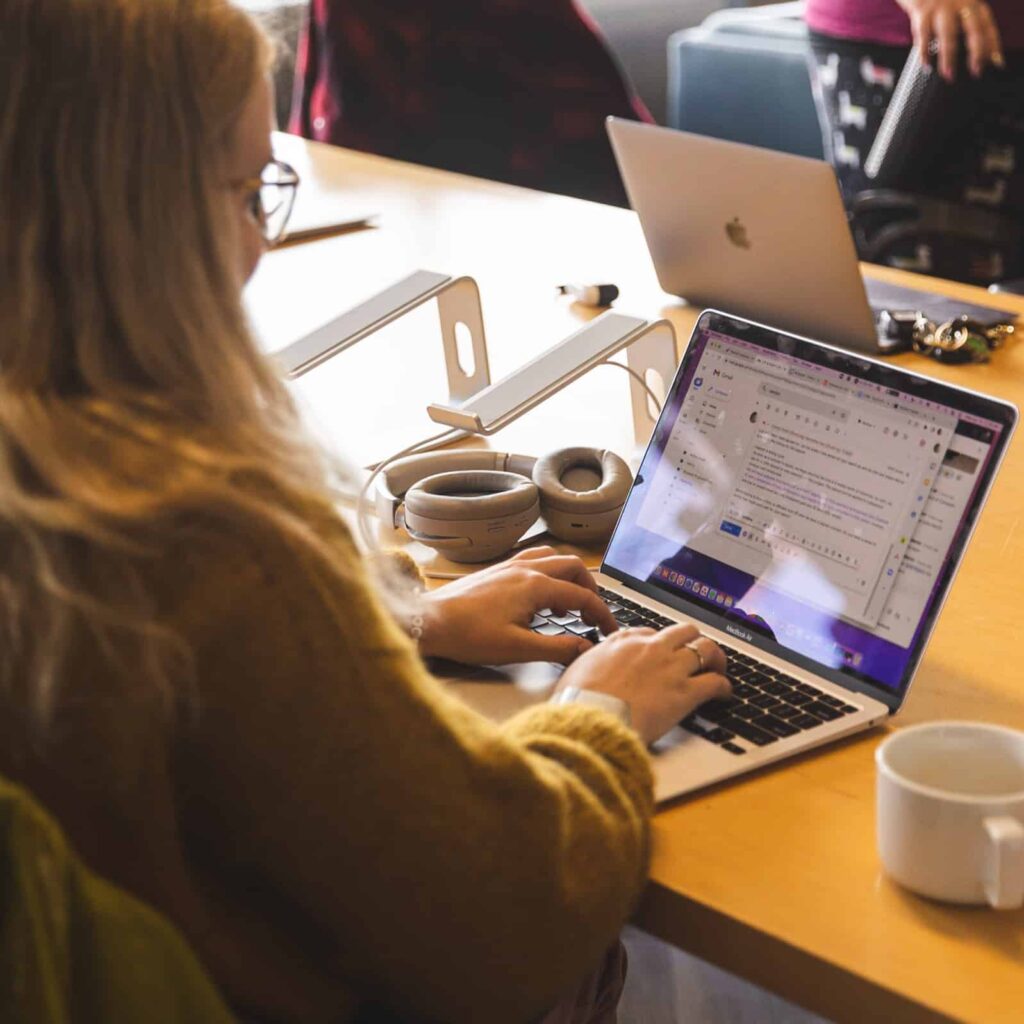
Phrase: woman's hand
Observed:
(660, 675)
(944, 20)
(483, 618)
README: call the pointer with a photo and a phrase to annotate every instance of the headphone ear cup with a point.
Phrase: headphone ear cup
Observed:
(471, 516)
(582, 491)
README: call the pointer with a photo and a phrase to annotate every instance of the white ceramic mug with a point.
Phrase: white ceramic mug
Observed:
(951, 811)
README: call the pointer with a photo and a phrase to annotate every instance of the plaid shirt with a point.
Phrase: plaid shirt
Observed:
(512, 90)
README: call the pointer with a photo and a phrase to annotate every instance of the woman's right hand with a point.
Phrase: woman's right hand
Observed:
(943, 20)
(661, 678)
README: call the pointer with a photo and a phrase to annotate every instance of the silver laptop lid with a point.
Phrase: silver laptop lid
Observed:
(814, 503)
(746, 229)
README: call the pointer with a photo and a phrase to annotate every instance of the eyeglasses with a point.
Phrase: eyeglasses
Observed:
(270, 198)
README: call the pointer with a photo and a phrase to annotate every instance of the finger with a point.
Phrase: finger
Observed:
(976, 40)
(711, 657)
(705, 687)
(608, 628)
(678, 636)
(564, 596)
(987, 21)
(565, 567)
(563, 649)
(976, 45)
(632, 632)
(948, 33)
(922, 29)
(541, 551)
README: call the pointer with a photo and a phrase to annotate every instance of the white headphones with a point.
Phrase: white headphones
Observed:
(474, 505)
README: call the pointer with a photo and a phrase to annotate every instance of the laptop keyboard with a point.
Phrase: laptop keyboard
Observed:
(766, 704)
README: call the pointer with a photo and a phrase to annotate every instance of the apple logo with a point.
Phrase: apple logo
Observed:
(737, 233)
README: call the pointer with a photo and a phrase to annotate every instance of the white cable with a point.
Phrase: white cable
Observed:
(413, 449)
(636, 376)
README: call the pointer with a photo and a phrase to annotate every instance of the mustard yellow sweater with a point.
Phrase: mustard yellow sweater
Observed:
(328, 827)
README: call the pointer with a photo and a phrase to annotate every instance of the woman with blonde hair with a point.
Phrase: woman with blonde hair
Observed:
(198, 677)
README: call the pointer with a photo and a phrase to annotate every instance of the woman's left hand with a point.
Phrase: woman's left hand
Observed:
(483, 618)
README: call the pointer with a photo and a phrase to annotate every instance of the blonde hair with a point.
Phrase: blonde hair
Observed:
(130, 387)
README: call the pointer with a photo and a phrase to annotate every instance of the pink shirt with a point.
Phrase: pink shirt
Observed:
(883, 21)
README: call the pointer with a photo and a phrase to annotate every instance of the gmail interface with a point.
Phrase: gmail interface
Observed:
(803, 503)
(811, 484)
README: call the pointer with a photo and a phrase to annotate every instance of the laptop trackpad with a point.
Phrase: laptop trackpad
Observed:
(499, 692)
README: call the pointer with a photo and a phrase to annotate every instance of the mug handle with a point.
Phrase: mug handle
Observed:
(1004, 883)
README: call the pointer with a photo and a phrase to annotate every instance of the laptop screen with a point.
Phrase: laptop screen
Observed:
(808, 501)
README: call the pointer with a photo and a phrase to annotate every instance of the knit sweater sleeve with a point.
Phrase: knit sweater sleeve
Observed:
(448, 867)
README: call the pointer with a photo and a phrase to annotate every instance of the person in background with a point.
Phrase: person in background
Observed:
(200, 677)
(860, 48)
(515, 92)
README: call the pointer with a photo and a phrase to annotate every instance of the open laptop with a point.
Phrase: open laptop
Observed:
(808, 509)
(761, 233)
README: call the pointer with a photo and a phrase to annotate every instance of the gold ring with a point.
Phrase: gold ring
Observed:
(966, 13)
(701, 663)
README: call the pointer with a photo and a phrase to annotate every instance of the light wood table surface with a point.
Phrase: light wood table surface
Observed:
(774, 876)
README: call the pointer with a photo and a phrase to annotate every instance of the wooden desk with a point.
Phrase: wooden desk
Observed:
(774, 876)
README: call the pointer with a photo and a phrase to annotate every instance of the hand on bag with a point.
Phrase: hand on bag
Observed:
(483, 618)
(944, 20)
(661, 678)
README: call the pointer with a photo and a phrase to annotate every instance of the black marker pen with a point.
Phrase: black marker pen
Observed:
(591, 294)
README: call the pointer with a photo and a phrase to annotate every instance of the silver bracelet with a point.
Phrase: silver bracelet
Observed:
(616, 705)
